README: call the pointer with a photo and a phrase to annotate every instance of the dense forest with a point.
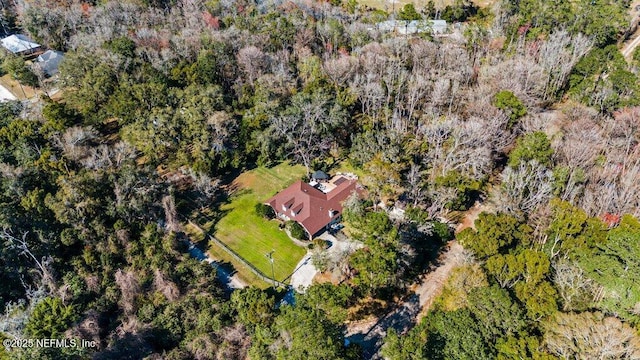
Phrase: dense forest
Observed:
(527, 107)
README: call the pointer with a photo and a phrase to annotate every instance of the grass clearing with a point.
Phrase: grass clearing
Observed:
(248, 234)
(216, 252)
(22, 92)
(345, 167)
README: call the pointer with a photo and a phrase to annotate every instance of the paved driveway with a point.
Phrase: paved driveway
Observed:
(305, 271)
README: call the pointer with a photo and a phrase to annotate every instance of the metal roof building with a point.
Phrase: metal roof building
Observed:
(19, 44)
(49, 61)
(414, 26)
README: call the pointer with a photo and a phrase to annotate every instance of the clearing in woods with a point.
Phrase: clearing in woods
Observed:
(248, 234)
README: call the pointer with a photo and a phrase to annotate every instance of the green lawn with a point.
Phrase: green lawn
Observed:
(251, 236)
(216, 252)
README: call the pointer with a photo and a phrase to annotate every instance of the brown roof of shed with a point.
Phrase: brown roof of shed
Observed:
(310, 206)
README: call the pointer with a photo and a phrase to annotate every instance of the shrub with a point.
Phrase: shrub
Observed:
(442, 231)
(50, 318)
(320, 244)
(532, 146)
(18, 69)
(467, 190)
(297, 231)
(265, 211)
(409, 12)
(505, 100)
(416, 214)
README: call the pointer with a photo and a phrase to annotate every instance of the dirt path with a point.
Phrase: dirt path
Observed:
(628, 48)
(634, 40)
(231, 281)
(433, 282)
(407, 314)
(417, 304)
(5, 94)
(470, 216)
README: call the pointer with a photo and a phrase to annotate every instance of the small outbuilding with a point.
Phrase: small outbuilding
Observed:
(319, 175)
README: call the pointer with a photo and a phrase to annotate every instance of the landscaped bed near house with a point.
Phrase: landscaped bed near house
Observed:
(251, 236)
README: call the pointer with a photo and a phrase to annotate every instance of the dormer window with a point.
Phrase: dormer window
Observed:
(287, 205)
(295, 211)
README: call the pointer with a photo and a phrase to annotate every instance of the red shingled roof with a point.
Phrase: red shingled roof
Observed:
(309, 206)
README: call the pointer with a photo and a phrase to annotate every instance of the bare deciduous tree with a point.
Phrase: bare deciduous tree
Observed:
(558, 55)
(43, 266)
(575, 288)
(172, 223)
(591, 336)
(74, 141)
(253, 62)
(341, 69)
(582, 141)
(129, 288)
(16, 314)
(167, 287)
(205, 186)
(414, 183)
(306, 127)
(524, 188)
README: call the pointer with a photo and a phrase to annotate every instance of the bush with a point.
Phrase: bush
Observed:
(320, 244)
(467, 190)
(505, 100)
(416, 214)
(121, 46)
(18, 69)
(458, 12)
(50, 318)
(442, 231)
(296, 230)
(265, 211)
(408, 12)
(532, 146)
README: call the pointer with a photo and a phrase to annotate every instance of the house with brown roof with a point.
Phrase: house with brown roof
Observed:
(316, 205)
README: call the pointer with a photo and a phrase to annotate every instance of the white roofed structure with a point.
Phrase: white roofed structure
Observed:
(414, 26)
(19, 44)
